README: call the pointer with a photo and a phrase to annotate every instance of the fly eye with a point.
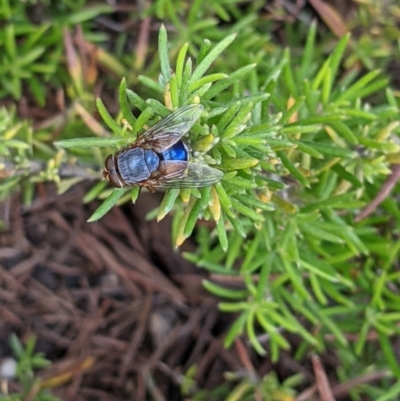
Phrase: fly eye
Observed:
(110, 172)
(114, 180)
(110, 163)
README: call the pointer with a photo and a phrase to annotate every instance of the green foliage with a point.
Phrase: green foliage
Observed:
(15, 151)
(26, 159)
(246, 387)
(304, 141)
(377, 43)
(27, 363)
(307, 268)
(32, 50)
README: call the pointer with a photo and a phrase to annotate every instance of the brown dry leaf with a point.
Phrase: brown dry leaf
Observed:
(66, 371)
(324, 388)
(73, 62)
(330, 16)
(90, 121)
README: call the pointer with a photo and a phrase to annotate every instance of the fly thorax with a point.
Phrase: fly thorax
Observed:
(137, 164)
(152, 160)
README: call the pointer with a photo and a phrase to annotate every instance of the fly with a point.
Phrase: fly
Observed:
(160, 159)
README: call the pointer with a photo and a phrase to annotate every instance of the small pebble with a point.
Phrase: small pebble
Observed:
(7, 368)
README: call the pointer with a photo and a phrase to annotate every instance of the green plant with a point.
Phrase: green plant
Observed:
(377, 44)
(308, 268)
(27, 363)
(26, 159)
(32, 50)
(15, 152)
(242, 386)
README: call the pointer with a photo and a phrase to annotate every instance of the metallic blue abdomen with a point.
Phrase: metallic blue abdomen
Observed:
(177, 152)
(137, 164)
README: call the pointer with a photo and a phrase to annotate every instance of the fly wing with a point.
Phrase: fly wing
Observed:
(189, 175)
(170, 129)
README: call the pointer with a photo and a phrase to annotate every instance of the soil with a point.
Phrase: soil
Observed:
(120, 313)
